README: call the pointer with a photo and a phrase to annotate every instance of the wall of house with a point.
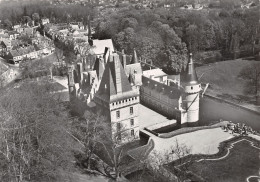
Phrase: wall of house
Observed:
(123, 107)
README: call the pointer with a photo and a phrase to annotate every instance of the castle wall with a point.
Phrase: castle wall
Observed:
(159, 102)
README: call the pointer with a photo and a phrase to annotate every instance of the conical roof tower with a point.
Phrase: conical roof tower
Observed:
(190, 75)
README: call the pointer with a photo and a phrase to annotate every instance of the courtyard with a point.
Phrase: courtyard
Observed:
(149, 117)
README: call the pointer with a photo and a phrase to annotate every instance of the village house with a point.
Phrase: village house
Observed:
(45, 21)
(27, 52)
(8, 44)
(76, 25)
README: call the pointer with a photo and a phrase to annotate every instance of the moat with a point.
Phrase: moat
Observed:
(213, 110)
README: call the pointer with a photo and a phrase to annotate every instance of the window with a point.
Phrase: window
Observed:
(132, 122)
(132, 132)
(131, 110)
(118, 126)
(118, 114)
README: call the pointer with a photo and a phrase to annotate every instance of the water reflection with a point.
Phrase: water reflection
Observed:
(212, 110)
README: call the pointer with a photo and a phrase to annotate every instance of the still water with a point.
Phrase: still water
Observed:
(212, 110)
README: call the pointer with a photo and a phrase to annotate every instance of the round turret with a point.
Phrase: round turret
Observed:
(191, 88)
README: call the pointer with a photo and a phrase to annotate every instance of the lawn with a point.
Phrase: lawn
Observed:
(242, 162)
(224, 81)
(223, 76)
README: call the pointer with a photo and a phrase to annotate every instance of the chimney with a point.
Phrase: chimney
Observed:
(80, 72)
(101, 67)
(117, 73)
(106, 54)
(124, 60)
(70, 76)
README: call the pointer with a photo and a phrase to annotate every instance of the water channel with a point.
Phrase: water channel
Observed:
(212, 110)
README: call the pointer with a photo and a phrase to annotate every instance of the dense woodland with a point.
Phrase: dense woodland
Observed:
(161, 36)
(164, 36)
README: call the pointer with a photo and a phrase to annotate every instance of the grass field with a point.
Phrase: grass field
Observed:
(224, 81)
(242, 162)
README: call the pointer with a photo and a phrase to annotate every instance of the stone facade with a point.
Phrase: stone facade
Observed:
(119, 101)
(116, 84)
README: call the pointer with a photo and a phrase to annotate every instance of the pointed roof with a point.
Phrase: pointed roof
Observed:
(99, 66)
(190, 76)
(134, 58)
(114, 84)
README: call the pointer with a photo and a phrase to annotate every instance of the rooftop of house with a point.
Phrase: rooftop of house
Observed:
(114, 84)
(157, 72)
(13, 43)
(99, 46)
(22, 51)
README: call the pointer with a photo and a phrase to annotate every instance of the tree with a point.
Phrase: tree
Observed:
(25, 39)
(172, 165)
(27, 20)
(34, 143)
(252, 75)
(35, 68)
(25, 11)
(36, 18)
(8, 24)
(114, 145)
(87, 131)
(126, 40)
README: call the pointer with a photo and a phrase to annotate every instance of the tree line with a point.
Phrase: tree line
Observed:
(164, 36)
(12, 13)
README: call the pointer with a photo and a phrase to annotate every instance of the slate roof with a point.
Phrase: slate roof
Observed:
(99, 66)
(22, 51)
(190, 77)
(169, 91)
(134, 58)
(108, 89)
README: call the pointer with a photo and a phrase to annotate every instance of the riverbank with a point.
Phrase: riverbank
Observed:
(249, 107)
(225, 82)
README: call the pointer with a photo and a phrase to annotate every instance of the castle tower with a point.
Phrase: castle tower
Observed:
(191, 88)
(118, 101)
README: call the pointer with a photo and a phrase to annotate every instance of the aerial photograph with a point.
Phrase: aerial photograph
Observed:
(129, 90)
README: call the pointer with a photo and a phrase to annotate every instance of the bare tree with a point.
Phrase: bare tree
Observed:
(114, 146)
(87, 131)
(178, 160)
(34, 144)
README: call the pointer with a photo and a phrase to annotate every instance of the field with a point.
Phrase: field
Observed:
(224, 81)
(238, 165)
